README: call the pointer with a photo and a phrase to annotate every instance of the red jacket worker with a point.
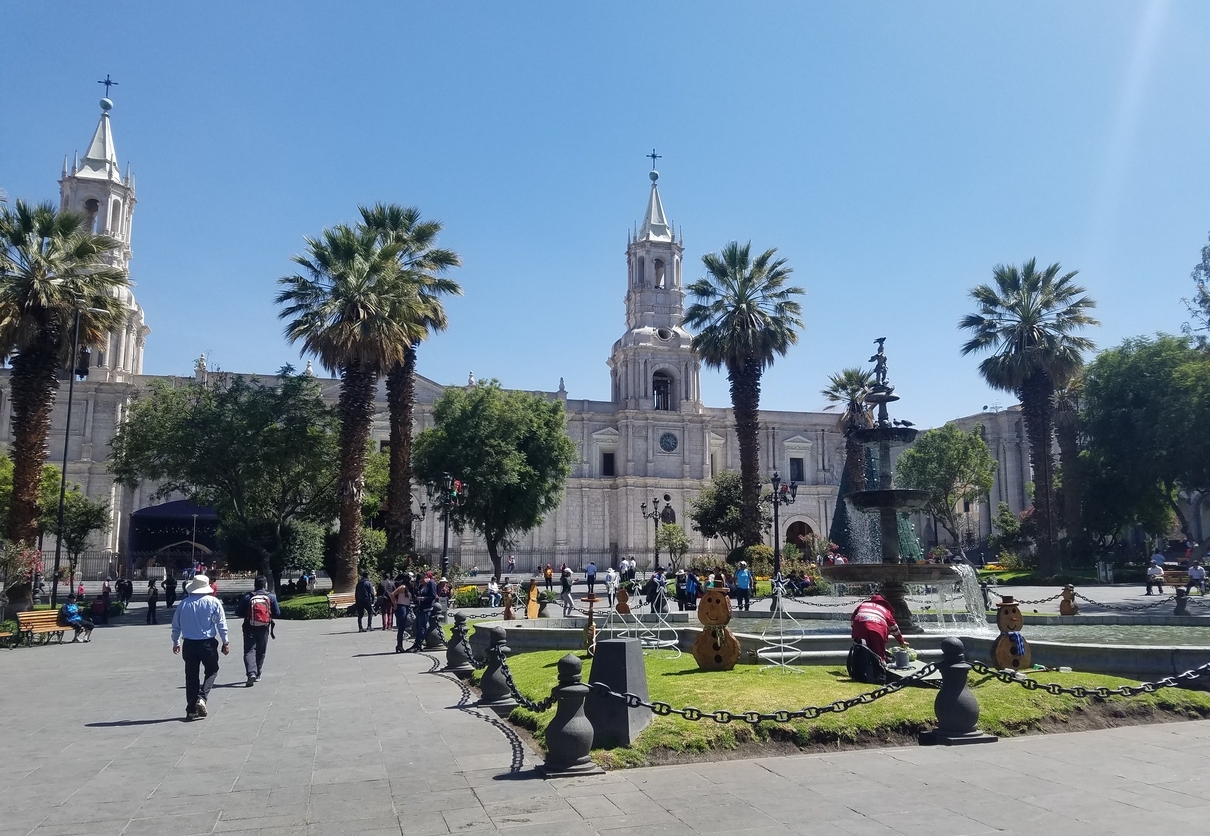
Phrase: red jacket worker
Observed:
(872, 622)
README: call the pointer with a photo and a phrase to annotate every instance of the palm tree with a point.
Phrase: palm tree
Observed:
(744, 316)
(1067, 426)
(422, 262)
(51, 271)
(847, 389)
(342, 307)
(1028, 321)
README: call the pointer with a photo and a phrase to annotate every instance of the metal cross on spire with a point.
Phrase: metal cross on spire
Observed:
(108, 83)
(653, 157)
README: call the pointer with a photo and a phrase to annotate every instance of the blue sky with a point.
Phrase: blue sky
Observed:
(892, 152)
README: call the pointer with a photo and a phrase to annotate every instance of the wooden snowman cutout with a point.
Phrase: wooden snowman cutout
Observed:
(716, 648)
(1010, 651)
(622, 607)
(1068, 605)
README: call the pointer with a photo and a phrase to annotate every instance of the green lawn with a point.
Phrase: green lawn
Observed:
(1006, 709)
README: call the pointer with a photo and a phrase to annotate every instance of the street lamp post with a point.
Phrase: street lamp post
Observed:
(73, 371)
(654, 516)
(452, 493)
(783, 494)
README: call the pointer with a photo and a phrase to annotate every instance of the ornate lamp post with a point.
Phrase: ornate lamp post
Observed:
(783, 494)
(451, 493)
(654, 516)
(417, 517)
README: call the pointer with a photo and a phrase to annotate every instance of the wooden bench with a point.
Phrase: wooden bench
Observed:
(7, 638)
(340, 601)
(43, 623)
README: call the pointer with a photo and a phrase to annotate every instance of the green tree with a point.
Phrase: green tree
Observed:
(513, 450)
(672, 540)
(422, 264)
(52, 270)
(954, 467)
(1145, 404)
(1028, 320)
(718, 511)
(343, 307)
(847, 389)
(82, 517)
(262, 456)
(378, 477)
(1198, 329)
(745, 316)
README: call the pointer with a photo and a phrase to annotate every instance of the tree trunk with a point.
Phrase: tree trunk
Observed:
(35, 379)
(401, 389)
(493, 552)
(356, 409)
(1073, 485)
(1038, 411)
(745, 402)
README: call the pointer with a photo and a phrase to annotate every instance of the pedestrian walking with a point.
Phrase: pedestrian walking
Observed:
(363, 595)
(611, 584)
(199, 631)
(169, 585)
(258, 609)
(549, 574)
(401, 599)
(153, 600)
(512, 564)
(590, 575)
(386, 608)
(425, 596)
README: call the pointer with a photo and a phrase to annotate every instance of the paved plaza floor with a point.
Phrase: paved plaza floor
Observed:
(344, 736)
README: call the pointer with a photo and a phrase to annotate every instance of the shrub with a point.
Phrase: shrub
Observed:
(306, 608)
(466, 596)
(116, 608)
(753, 554)
(9, 627)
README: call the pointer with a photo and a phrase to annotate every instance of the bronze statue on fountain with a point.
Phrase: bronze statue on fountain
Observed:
(883, 506)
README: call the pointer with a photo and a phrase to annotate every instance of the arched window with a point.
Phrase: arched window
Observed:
(91, 207)
(661, 391)
(659, 272)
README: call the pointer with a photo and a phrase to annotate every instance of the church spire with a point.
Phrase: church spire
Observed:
(101, 160)
(655, 224)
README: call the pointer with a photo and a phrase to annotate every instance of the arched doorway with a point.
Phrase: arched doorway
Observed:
(800, 535)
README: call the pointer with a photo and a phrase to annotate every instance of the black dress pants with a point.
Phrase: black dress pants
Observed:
(199, 655)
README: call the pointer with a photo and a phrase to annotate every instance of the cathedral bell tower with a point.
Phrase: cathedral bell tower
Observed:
(95, 188)
(653, 366)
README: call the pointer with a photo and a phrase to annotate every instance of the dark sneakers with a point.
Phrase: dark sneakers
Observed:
(251, 682)
(201, 708)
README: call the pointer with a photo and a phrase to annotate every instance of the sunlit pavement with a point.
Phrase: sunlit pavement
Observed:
(344, 736)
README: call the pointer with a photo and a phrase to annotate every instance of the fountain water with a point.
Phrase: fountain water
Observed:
(882, 509)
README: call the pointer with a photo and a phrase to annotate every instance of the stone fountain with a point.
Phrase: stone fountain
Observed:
(879, 509)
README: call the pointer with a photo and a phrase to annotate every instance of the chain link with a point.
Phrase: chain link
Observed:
(1040, 600)
(539, 706)
(1085, 691)
(723, 717)
(470, 655)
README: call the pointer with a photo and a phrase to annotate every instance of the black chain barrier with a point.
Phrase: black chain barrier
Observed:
(1039, 601)
(1101, 692)
(479, 664)
(663, 709)
(538, 706)
(1125, 608)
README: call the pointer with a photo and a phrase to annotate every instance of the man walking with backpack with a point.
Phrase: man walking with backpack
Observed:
(258, 609)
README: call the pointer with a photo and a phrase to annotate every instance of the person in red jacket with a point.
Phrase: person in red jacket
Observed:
(873, 622)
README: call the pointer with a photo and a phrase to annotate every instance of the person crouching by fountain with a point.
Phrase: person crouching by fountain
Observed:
(872, 623)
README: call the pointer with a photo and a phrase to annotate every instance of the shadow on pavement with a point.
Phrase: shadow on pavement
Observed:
(113, 723)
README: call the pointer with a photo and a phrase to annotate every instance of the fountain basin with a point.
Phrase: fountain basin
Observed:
(888, 572)
(894, 499)
(895, 436)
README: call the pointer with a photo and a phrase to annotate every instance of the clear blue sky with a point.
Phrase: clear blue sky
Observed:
(892, 152)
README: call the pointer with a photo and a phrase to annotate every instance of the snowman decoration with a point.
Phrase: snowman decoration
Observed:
(716, 648)
(1010, 651)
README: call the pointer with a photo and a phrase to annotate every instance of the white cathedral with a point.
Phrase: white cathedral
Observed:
(654, 438)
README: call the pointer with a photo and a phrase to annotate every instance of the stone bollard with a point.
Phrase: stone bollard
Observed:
(435, 637)
(956, 708)
(569, 735)
(1182, 602)
(495, 694)
(618, 665)
(457, 660)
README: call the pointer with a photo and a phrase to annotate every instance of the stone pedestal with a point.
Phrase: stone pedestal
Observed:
(569, 736)
(457, 660)
(495, 693)
(435, 637)
(618, 664)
